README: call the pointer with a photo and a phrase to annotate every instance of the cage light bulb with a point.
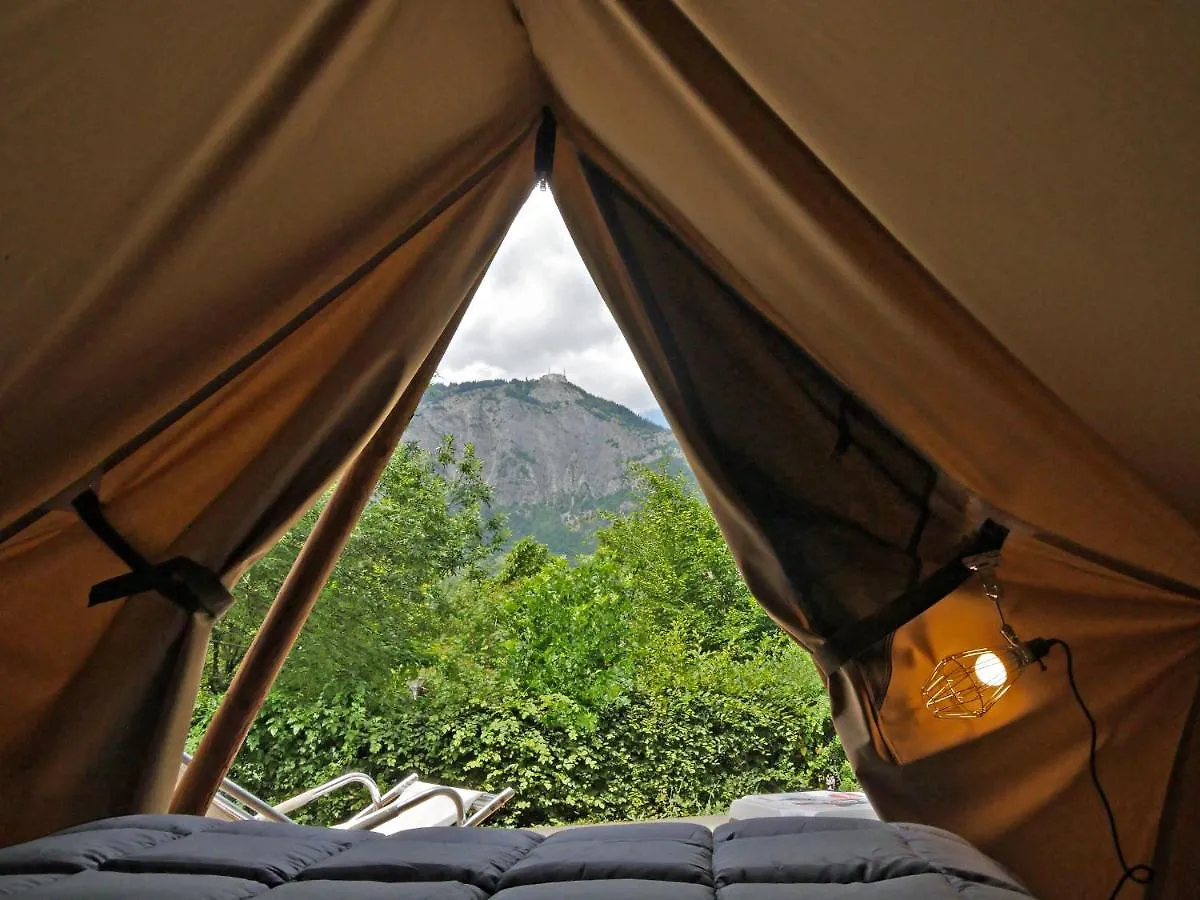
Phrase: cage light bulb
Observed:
(965, 685)
(990, 669)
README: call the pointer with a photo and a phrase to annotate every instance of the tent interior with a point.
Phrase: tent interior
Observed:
(894, 271)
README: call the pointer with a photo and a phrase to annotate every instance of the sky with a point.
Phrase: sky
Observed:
(538, 311)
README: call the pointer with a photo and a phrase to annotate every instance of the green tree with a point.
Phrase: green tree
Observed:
(527, 557)
(642, 681)
(673, 563)
(384, 604)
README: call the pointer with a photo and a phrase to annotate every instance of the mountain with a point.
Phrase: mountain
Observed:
(553, 452)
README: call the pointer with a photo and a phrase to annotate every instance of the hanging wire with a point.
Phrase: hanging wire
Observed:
(1140, 873)
(984, 565)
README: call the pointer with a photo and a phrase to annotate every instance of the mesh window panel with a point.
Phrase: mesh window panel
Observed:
(856, 516)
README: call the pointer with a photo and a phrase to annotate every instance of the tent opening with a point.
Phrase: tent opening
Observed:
(536, 594)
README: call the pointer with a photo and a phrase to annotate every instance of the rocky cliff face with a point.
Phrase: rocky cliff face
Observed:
(553, 452)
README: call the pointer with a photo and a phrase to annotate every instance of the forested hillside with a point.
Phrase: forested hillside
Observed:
(553, 453)
(640, 681)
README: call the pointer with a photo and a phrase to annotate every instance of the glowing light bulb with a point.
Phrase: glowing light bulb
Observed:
(990, 669)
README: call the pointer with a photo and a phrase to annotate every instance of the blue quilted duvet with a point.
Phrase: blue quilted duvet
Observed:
(193, 858)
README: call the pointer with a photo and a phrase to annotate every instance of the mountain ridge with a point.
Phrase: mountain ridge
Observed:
(554, 453)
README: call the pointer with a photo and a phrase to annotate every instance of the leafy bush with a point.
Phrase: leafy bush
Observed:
(658, 750)
(641, 682)
(384, 604)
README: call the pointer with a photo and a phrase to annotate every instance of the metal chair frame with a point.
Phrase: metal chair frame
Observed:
(234, 800)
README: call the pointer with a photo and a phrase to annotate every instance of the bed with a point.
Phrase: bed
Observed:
(195, 858)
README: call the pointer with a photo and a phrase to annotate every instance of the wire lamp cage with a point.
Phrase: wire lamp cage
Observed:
(965, 685)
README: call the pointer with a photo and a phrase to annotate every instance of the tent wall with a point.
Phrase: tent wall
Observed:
(980, 226)
(206, 173)
(1040, 160)
(291, 167)
(1017, 780)
(1181, 817)
(1006, 781)
(684, 133)
(775, 225)
(218, 487)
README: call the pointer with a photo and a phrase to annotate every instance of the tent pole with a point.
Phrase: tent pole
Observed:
(285, 619)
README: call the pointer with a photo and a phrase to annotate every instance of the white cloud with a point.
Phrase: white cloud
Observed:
(538, 311)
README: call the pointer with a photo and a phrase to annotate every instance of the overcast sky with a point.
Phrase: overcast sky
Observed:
(537, 311)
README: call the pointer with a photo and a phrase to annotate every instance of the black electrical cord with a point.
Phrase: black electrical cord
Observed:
(1140, 873)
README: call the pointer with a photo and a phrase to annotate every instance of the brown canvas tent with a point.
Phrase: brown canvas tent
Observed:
(892, 270)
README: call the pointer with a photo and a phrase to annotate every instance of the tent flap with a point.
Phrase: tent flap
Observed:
(215, 487)
(845, 505)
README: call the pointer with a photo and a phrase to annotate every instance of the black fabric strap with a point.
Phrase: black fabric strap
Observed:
(184, 582)
(856, 639)
(87, 505)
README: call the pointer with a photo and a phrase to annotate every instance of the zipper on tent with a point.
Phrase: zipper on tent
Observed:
(543, 148)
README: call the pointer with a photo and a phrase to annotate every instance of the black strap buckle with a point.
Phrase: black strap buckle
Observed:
(183, 581)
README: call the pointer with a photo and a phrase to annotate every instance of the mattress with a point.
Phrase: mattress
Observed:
(194, 858)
